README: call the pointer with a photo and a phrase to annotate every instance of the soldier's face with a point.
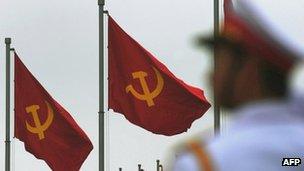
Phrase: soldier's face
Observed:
(236, 81)
(223, 78)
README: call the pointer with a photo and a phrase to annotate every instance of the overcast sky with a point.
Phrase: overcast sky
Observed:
(58, 41)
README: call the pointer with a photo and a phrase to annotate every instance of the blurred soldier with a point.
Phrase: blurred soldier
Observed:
(254, 61)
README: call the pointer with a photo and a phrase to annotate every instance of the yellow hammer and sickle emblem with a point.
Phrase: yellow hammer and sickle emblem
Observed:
(147, 95)
(39, 128)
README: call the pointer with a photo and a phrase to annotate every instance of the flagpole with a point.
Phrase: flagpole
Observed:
(7, 136)
(101, 112)
(216, 22)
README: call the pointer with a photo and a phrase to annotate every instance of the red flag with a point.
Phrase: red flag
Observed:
(145, 91)
(46, 128)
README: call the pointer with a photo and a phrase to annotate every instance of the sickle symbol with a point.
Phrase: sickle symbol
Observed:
(39, 129)
(147, 95)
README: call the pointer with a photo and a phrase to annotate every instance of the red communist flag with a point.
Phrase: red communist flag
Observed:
(145, 91)
(46, 128)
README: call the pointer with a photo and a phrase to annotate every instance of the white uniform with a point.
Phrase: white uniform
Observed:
(262, 135)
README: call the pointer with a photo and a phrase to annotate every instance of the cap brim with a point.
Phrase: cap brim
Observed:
(211, 41)
(206, 41)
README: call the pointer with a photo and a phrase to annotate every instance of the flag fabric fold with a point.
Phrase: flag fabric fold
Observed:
(145, 91)
(48, 131)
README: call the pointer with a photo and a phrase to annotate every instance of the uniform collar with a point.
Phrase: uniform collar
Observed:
(270, 112)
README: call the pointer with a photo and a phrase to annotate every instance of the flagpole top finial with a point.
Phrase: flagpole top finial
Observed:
(101, 2)
(8, 40)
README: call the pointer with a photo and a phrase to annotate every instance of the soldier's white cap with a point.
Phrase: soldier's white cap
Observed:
(270, 29)
(281, 20)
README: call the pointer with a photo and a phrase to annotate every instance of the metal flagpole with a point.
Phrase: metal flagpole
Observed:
(7, 102)
(216, 22)
(101, 112)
